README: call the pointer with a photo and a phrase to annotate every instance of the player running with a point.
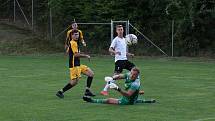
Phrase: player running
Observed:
(76, 68)
(129, 95)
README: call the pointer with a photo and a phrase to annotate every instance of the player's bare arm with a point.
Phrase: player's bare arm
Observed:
(128, 93)
(124, 93)
(82, 55)
(130, 54)
(119, 76)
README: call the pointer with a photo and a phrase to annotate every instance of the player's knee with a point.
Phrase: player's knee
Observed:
(108, 100)
(74, 82)
(91, 74)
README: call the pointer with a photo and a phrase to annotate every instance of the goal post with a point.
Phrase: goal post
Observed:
(112, 25)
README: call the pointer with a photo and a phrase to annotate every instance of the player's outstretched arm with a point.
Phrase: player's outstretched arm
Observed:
(124, 93)
(119, 76)
(130, 54)
(82, 55)
(127, 93)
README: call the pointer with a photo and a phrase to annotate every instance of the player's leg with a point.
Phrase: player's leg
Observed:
(129, 65)
(112, 101)
(145, 101)
(89, 73)
(104, 101)
(68, 86)
(118, 69)
(74, 77)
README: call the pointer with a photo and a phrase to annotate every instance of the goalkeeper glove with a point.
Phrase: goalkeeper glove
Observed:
(108, 79)
(114, 86)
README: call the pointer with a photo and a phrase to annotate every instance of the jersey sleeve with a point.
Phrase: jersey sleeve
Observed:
(74, 46)
(68, 34)
(81, 35)
(134, 86)
(125, 75)
(113, 44)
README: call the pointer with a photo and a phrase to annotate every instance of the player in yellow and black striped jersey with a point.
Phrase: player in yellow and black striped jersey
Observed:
(69, 36)
(76, 69)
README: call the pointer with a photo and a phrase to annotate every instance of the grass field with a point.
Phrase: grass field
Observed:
(183, 87)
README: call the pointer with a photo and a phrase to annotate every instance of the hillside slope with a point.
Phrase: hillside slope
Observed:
(14, 40)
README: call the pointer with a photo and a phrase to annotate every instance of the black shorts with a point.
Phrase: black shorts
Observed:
(123, 64)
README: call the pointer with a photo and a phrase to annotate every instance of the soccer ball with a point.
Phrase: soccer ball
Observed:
(131, 39)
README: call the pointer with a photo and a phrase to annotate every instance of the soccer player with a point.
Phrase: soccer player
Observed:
(118, 47)
(129, 95)
(76, 68)
(69, 37)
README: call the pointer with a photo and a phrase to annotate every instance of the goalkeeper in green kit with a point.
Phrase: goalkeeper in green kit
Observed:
(129, 95)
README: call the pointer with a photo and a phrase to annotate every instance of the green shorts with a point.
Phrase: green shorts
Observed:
(124, 101)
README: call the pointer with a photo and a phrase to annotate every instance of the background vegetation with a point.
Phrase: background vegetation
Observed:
(194, 20)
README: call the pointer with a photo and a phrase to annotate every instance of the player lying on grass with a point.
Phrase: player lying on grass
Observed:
(129, 95)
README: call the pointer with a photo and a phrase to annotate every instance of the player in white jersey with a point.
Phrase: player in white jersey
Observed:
(118, 47)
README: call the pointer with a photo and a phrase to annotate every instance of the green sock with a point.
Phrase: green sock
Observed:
(145, 101)
(140, 101)
(99, 100)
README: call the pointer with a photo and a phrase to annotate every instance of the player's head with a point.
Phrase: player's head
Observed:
(74, 25)
(134, 73)
(119, 30)
(75, 35)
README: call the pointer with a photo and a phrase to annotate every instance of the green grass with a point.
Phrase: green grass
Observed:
(184, 89)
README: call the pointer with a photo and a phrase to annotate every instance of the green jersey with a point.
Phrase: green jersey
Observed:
(131, 85)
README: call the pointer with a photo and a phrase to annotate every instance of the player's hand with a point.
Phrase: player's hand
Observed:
(141, 92)
(132, 55)
(88, 57)
(113, 86)
(84, 44)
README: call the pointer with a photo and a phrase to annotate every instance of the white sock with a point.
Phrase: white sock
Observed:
(107, 86)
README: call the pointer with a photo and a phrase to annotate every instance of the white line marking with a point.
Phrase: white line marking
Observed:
(3, 69)
(204, 119)
(188, 77)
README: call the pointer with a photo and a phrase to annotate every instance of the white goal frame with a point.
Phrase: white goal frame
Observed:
(127, 27)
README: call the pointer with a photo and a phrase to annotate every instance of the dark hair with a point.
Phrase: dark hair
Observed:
(74, 31)
(73, 22)
(118, 26)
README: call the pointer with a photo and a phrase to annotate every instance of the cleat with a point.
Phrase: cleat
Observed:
(60, 94)
(150, 101)
(105, 93)
(89, 93)
(153, 101)
(87, 99)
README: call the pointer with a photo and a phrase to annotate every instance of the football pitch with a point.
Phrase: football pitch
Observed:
(183, 87)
